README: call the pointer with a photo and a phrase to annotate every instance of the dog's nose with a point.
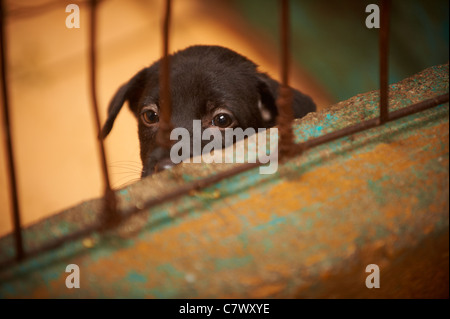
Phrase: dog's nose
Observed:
(164, 164)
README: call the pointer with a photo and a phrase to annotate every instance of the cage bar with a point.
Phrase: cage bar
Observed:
(285, 97)
(165, 126)
(110, 206)
(20, 253)
(384, 61)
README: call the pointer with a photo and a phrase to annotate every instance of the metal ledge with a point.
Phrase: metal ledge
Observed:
(376, 197)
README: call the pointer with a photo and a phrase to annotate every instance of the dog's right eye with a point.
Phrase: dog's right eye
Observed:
(150, 117)
(222, 120)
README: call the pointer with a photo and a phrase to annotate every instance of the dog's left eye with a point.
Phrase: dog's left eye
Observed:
(150, 117)
(222, 120)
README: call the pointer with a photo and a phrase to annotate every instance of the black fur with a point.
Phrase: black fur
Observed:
(202, 79)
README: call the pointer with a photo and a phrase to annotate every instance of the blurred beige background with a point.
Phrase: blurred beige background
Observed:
(52, 125)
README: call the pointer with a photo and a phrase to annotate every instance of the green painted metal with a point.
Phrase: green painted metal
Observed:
(309, 230)
(419, 37)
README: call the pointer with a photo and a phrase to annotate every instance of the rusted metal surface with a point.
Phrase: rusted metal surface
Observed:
(377, 197)
(197, 185)
(112, 217)
(369, 124)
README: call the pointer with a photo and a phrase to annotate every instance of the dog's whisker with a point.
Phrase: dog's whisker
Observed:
(126, 164)
(131, 168)
(128, 173)
(129, 176)
(127, 167)
(121, 184)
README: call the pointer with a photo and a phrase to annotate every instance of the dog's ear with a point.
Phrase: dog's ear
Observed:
(131, 92)
(268, 90)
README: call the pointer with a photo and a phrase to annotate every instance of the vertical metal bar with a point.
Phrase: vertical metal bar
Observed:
(384, 59)
(285, 96)
(8, 141)
(165, 126)
(110, 209)
(285, 43)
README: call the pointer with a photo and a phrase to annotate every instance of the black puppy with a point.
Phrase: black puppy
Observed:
(209, 83)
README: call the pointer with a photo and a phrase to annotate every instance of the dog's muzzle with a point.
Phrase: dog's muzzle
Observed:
(159, 160)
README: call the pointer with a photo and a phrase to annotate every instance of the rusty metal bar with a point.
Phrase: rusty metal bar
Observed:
(419, 107)
(193, 186)
(165, 126)
(368, 124)
(285, 42)
(54, 244)
(110, 209)
(285, 96)
(384, 61)
(8, 141)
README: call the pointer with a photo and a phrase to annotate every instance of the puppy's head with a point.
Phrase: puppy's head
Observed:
(213, 84)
